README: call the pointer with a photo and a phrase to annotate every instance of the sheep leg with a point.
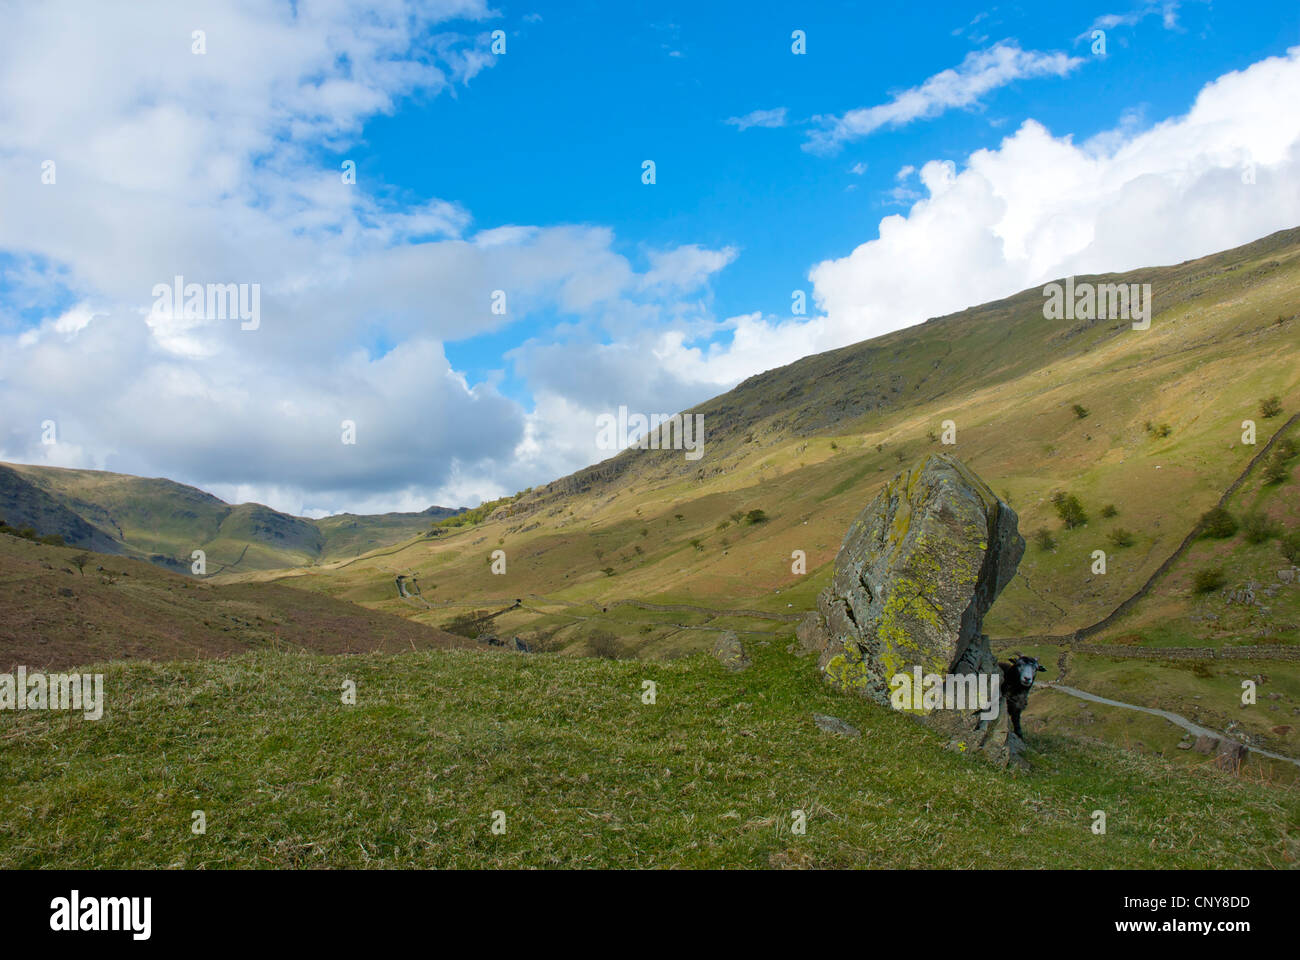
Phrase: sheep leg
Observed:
(1015, 719)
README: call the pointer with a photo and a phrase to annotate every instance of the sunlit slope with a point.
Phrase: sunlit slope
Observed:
(809, 444)
(165, 521)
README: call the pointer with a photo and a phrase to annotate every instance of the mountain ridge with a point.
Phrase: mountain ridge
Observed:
(164, 521)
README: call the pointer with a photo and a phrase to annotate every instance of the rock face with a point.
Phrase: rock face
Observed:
(731, 652)
(918, 570)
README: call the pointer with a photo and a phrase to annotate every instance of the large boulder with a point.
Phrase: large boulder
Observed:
(918, 570)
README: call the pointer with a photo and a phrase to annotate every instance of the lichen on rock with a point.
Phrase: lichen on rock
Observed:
(918, 570)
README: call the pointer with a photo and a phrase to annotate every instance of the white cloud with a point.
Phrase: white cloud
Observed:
(210, 167)
(759, 118)
(170, 166)
(1167, 10)
(1036, 208)
(1041, 206)
(979, 73)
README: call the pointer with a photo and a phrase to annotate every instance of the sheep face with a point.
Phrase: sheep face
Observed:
(1027, 668)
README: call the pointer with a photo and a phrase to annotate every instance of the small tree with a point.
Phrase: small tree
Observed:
(1120, 537)
(1291, 546)
(1044, 539)
(1270, 407)
(1218, 523)
(1069, 509)
(756, 516)
(1080, 411)
(79, 561)
(602, 644)
(1209, 579)
(1277, 470)
(1259, 527)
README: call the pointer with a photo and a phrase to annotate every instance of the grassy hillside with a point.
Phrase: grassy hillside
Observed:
(641, 562)
(586, 774)
(1159, 441)
(165, 522)
(648, 555)
(61, 607)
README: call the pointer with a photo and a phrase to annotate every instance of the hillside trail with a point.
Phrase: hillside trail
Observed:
(1194, 729)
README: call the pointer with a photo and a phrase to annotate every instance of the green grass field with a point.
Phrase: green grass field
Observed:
(585, 773)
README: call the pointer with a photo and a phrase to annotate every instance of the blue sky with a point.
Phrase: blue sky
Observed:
(916, 160)
(590, 90)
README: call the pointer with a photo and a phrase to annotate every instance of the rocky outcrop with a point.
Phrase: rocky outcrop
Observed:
(828, 724)
(731, 652)
(918, 570)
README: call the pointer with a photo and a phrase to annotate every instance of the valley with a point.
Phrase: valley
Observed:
(635, 567)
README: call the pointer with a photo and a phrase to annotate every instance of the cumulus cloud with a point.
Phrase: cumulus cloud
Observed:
(168, 164)
(1036, 208)
(1041, 206)
(979, 73)
(208, 166)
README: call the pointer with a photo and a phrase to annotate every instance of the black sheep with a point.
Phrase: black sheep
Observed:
(1017, 681)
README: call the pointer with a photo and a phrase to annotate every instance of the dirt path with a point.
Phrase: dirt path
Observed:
(1194, 729)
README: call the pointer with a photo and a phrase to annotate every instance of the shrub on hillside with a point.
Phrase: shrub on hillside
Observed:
(1080, 411)
(1277, 470)
(1208, 580)
(756, 516)
(51, 540)
(1044, 539)
(1069, 509)
(1259, 527)
(1270, 407)
(1109, 511)
(1120, 537)
(1218, 523)
(1291, 546)
(603, 644)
